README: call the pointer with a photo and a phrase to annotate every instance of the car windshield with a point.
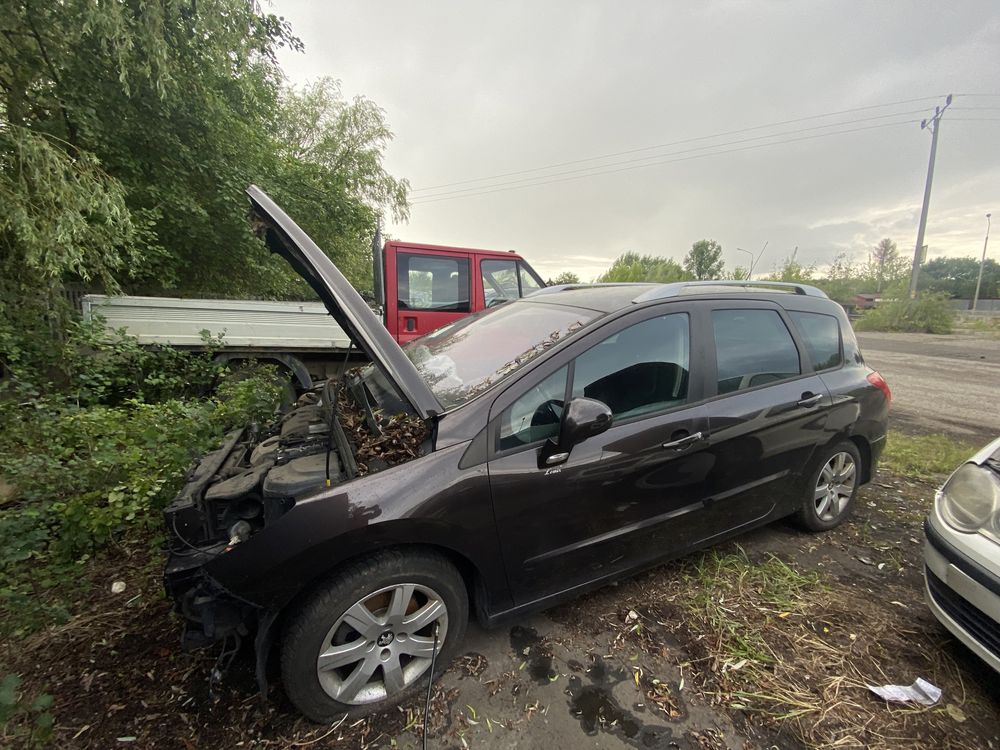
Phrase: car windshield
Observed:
(461, 360)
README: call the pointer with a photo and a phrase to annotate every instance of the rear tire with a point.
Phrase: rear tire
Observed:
(361, 641)
(831, 488)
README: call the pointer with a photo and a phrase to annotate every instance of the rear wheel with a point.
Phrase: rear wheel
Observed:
(363, 641)
(832, 488)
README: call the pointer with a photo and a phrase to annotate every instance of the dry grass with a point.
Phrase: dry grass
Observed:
(795, 653)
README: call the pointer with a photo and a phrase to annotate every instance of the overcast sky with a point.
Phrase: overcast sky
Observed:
(473, 90)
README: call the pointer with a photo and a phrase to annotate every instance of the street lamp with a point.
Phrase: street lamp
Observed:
(979, 280)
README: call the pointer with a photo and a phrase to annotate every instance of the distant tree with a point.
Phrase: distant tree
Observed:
(956, 277)
(631, 266)
(739, 273)
(704, 260)
(791, 270)
(566, 277)
(843, 280)
(885, 266)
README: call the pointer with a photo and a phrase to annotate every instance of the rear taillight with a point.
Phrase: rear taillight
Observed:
(879, 382)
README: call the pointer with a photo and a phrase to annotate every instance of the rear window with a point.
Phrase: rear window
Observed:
(752, 348)
(461, 360)
(821, 334)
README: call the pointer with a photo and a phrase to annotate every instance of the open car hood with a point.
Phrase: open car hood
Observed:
(284, 237)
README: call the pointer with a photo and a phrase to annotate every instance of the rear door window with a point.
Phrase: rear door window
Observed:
(639, 370)
(821, 335)
(432, 282)
(752, 348)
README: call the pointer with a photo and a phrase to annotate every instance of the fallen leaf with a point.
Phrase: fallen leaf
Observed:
(955, 712)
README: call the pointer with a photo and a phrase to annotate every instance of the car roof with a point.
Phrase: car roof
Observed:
(608, 298)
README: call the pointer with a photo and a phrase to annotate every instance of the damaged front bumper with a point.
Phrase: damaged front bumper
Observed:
(196, 536)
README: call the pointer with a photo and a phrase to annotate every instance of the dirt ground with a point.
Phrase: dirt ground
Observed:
(946, 384)
(698, 653)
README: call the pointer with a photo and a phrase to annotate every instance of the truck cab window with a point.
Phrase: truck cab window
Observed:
(499, 281)
(529, 283)
(432, 282)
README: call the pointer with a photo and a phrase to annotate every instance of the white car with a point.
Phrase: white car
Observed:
(962, 554)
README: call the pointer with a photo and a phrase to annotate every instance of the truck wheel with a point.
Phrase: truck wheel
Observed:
(362, 641)
(831, 488)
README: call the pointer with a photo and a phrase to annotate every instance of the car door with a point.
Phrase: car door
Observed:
(623, 497)
(766, 417)
(432, 290)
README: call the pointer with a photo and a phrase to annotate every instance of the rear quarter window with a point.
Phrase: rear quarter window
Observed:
(821, 336)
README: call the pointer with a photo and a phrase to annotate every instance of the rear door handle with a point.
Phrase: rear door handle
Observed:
(684, 442)
(810, 399)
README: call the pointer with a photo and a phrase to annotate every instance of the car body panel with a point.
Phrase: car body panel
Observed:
(284, 237)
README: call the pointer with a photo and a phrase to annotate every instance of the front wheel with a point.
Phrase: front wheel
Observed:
(832, 488)
(363, 642)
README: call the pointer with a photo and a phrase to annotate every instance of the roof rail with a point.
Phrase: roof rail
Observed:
(582, 285)
(678, 288)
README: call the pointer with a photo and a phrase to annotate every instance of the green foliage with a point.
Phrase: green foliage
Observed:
(885, 266)
(704, 260)
(83, 475)
(22, 719)
(631, 266)
(566, 277)
(924, 456)
(791, 270)
(929, 313)
(128, 133)
(956, 277)
(110, 367)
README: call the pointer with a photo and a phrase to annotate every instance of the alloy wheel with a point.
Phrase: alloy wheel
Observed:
(835, 486)
(382, 644)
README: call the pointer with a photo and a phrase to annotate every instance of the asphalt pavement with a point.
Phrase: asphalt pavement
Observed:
(947, 384)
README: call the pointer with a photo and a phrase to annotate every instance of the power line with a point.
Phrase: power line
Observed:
(660, 156)
(658, 163)
(738, 131)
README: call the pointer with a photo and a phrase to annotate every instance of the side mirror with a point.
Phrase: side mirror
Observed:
(582, 418)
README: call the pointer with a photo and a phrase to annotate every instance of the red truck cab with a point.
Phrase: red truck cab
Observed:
(428, 286)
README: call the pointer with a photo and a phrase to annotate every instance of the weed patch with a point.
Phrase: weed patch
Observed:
(924, 456)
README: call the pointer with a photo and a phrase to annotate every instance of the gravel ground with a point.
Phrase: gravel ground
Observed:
(948, 384)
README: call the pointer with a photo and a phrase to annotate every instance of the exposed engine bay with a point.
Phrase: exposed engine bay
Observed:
(333, 433)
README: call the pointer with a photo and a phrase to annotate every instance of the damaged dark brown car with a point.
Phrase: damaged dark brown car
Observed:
(507, 461)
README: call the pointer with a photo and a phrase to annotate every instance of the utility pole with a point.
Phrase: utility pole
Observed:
(935, 125)
(979, 280)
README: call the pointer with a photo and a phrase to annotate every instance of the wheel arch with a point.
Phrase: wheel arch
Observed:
(272, 621)
(865, 449)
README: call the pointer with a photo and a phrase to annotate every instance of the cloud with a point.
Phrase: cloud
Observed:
(473, 90)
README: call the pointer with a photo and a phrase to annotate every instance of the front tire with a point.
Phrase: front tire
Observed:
(362, 641)
(832, 488)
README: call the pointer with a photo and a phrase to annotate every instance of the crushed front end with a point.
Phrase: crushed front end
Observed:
(334, 433)
(234, 493)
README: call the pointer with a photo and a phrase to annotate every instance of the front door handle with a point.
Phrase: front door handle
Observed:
(684, 442)
(810, 399)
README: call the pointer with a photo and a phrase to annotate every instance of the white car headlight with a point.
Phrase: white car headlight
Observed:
(970, 500)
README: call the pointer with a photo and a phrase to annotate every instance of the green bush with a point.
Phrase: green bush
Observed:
(929, 313)
(29, 722)
(85, 474)
(110, 367)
